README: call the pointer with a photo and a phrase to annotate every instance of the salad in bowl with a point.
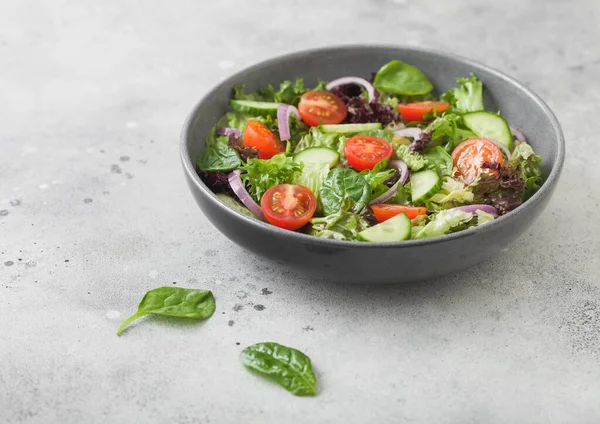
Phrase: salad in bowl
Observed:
(375, 158)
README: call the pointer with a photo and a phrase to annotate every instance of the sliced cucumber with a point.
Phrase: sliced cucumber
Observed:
(235, 205)
(424, 184)
(260, 108)
(489, 125)
(397, 228)
(351, 128)
(318, 155)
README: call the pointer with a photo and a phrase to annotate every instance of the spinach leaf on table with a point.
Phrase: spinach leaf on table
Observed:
(174, 302)
(341, 184)
(284, 365)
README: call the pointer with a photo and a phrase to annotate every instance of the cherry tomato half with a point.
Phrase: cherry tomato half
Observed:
(259, 137)
(417, 111)
(322, 106)
(365, 151)
(384, 212)
(288, 206)
(469, 155)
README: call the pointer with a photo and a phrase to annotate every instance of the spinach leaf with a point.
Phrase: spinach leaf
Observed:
(284, 365)
(402, 196)
(439, 160)
(341, 184)
(401, 78)
(376, 178)
(230, 201)
(218, 156)
(262, 174)
(174, 302)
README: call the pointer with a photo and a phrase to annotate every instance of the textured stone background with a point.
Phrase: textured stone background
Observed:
(94, 211)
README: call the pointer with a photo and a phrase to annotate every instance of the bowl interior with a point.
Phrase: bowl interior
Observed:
(520, 107)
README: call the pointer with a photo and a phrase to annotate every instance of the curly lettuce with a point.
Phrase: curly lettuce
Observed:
(289, 92)
(263, 174)
(317, 138)
(468, 97)
(342, 225)
(452, 193)
(448, 130)
(525, 159)
(415, 161)
(441, 223)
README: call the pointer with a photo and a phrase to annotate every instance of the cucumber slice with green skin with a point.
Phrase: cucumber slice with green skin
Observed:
(424, 185)
(351, 128)
(318, 155)
(397, 228)
(235, 205)
(260, 108)
(489, 125)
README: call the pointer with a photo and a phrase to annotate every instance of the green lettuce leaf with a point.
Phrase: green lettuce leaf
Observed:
(317, 138)
(288, 92)
(383, 134)
(342, 225)
(448, 130)
(525, 159)
(402, 196)
(312, 176)
(453, 193)
(263, 174)
(414, 160)
(483, 217)
(468, 97)
(441, 223)
(239, 120)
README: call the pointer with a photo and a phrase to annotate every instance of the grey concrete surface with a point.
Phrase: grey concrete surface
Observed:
(94, 211)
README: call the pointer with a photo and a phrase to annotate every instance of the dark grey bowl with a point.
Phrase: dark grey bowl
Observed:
(356, 262)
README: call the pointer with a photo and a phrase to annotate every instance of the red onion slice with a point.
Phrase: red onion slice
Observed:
(518, 134)
(501, 147)
(226, 131)
(283, 118)
(385, 196)
(354, 80)
(402, 168)
(413, 132)
(472, 209)
(237, 185)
